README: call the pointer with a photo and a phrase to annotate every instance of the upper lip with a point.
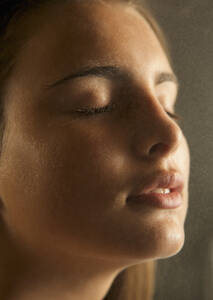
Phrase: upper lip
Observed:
(171, 180)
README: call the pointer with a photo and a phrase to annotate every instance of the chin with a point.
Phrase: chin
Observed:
(163, 243)
(156, 249)
(170, 245)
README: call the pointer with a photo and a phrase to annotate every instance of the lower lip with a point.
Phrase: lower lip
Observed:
(165, 201)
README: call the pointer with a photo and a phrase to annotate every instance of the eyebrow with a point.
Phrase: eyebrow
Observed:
(166, 76)
(111, 71)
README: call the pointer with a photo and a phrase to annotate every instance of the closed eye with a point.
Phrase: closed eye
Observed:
(175, 116)
(108, 108)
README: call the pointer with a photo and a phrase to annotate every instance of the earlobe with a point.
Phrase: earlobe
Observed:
(1, 205)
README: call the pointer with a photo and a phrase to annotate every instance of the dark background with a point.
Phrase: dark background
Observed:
(188, 26)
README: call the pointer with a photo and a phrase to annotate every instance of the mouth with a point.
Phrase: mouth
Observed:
(170, 200)
(164, 190)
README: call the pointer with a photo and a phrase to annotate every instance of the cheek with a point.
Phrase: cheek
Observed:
(54, 181)
(49, 191)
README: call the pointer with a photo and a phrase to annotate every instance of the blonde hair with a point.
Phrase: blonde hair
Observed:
(135, 282)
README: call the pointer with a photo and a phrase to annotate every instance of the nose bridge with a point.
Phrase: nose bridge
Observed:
(157, 132)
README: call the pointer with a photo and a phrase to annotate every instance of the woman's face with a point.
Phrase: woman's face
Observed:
(66, 175)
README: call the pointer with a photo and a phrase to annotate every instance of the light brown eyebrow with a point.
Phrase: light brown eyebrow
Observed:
(111, 72)
(165, 77)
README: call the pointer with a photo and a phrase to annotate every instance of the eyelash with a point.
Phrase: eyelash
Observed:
(96, 110)
(108, 108)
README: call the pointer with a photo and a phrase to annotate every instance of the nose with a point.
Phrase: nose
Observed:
(158, 135)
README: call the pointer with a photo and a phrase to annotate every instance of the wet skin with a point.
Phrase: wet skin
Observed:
(65, 176)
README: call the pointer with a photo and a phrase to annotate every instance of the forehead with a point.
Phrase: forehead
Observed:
(74, 34)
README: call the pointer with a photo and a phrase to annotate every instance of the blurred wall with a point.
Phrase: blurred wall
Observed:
(189, 29)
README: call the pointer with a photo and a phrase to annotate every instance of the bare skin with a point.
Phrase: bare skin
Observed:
(65, 177)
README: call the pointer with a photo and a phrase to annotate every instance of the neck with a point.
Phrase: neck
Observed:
(84, 279)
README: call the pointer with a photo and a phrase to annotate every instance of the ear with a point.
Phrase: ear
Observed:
(1, 205)
(2, 208)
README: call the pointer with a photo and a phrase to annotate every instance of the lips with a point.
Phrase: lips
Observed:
(170, 180)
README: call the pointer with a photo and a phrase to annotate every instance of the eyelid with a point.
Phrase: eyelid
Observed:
(178, 118)
(109, 108)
